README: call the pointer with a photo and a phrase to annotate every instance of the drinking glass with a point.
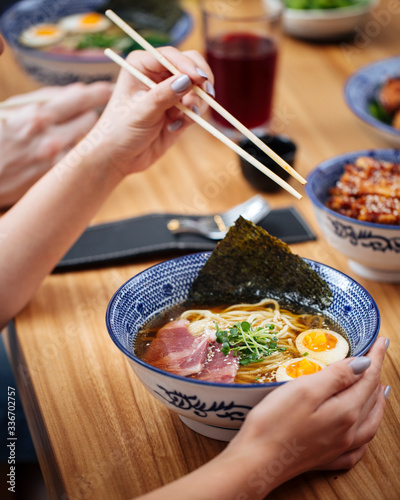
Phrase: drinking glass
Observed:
(241, 46)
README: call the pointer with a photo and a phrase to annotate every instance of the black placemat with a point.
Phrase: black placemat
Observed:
(126, 240)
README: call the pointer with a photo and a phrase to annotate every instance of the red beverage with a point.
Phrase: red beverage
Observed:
(244, 67)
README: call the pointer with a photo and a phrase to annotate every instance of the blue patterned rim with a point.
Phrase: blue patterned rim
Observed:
(22, 13)
(361, 87)
(323, 268)
(324, 176)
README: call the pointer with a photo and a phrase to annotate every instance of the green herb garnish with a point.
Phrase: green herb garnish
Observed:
(321, 4)
(378, 112)
(250, 344)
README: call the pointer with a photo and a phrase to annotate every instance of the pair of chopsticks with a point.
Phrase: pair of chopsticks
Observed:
(211, 102)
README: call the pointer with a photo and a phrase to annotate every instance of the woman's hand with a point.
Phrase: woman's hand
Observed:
(139, 124)
(33, 137)
(321, 421)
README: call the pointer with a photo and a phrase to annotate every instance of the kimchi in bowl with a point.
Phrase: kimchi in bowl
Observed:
(213, 409)
(372, 247)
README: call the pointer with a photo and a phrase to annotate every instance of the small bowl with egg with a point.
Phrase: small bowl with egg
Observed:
(63, 42)
(356, 200)
(153, 302)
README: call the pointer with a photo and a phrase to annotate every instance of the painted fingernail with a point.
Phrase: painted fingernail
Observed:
(359, 365)
(196, 110)
(174, 126)
(387, 391)
(387, 343)
(180, 84)
(210, 89)
(202, 73)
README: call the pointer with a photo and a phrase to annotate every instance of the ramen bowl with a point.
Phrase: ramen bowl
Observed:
(373, 249)
(212, 409)
(60, 69)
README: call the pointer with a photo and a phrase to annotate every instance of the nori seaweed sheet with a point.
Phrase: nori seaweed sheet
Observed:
(249, 264)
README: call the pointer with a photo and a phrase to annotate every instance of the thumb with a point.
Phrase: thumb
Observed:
(165, 95)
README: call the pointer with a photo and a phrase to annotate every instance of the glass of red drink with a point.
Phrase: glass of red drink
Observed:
(242, 40)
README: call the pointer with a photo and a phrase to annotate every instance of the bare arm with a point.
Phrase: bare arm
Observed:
(136, 128)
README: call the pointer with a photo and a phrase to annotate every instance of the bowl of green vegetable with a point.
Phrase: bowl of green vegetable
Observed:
(63, 42)
(373, 94)
(325, 19)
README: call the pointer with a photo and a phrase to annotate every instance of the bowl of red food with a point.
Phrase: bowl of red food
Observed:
(373, 94)
(211, 365)
(356, 199)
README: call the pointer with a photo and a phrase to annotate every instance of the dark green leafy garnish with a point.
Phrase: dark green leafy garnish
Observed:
(378, 112)
(250, 345)
(249, 264)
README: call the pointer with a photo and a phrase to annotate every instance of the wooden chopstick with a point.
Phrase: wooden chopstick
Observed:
(201, 93)
(23, 101)
(207, 126)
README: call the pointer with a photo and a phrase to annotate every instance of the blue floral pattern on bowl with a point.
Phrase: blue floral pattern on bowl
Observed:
(362, 87)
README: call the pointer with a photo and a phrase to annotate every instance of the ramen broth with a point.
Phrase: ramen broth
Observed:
(262, 371)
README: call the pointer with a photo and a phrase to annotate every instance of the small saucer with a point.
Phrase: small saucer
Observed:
(370, 273)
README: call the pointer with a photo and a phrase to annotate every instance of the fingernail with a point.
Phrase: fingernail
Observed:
(387, 391)
(180, 84)
(387, 343)
(210, 89)
(196, 110)
(174, 126)
(359, 365)
(202, 73)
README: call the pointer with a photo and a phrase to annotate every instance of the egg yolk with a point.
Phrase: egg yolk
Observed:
(46, 30)
(303, 367)
(92, 18)
(319, 341)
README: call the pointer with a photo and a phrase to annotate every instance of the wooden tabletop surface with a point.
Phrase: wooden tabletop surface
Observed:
(98, 433)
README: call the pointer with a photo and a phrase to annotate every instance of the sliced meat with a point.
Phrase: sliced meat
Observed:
(176, 350)
(389, 95)
(218, 367)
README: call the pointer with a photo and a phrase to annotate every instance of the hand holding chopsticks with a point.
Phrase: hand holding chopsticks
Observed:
(203, 123)
(148, 47)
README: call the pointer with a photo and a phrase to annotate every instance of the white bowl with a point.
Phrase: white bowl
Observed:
(362, 87)
(217, 410)
(326, 24)
(373, 249)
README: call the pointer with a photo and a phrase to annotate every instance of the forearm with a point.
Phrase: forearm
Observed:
(233, 475)
(40, 228)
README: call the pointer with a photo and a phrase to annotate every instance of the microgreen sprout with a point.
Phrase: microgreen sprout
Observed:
(250, 344)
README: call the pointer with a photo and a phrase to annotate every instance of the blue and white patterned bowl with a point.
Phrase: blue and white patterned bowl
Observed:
(362, 87)
(373, 249)
(213, 409)
(58, 69)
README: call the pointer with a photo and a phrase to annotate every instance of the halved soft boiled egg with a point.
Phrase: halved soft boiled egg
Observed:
(89, 22)
(297, 367)
(324, 345)
(41, 35)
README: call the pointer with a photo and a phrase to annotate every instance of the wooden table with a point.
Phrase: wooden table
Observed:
(98, 433)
